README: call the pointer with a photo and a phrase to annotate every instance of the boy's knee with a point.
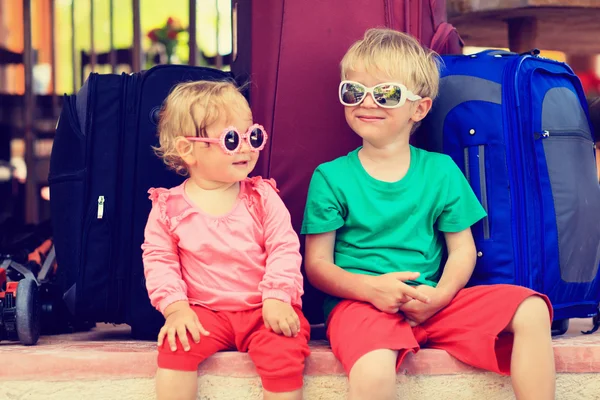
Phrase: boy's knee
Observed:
(532, 313)
(374, 375)
(374, 383)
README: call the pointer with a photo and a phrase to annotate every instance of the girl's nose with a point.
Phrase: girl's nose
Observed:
(244, 147)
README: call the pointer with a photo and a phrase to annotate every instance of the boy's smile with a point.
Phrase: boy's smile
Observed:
(365, 117)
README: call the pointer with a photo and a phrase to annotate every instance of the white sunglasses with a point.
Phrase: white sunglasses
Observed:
(386, 95)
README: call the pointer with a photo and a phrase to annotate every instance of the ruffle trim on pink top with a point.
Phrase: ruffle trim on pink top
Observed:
(160, 197)
(259, 188)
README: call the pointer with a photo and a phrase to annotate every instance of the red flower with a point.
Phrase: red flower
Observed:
(152, 35)
(172, 34)
(170, 21)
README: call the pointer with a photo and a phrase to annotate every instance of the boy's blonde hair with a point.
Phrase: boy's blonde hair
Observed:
(397, 56)
(189, 110)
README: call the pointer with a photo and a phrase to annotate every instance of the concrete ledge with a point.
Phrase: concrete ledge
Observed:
(103, 365)
(105, 353)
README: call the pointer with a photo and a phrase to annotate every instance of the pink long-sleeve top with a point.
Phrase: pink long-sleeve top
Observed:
(231, 262)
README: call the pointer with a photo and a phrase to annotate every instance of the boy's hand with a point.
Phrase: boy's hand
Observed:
(417, 312)
(280, 317)
(180, 319)
(389, 292)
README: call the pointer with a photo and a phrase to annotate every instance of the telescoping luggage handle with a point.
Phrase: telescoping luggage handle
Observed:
(504, 53)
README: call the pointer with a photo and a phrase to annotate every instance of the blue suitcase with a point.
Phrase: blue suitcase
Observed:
(518, 127)
(101, 168)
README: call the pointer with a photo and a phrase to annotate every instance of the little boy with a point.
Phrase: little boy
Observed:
(376, 221)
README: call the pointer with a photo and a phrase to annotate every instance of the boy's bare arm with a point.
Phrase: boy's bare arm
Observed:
(460, 264)
(458, 270)
(386, 292)
(328, 277)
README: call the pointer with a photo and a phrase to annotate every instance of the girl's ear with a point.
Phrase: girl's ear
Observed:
(184, 149)
(422, 108)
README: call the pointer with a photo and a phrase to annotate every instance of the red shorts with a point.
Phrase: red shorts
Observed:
(470, 328)
(279, 359)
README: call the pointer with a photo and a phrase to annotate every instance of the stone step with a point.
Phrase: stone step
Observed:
(105, 364)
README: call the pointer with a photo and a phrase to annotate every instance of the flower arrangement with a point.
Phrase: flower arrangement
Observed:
(167, 36)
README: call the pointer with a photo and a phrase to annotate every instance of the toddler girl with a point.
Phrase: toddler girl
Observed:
(221, 258)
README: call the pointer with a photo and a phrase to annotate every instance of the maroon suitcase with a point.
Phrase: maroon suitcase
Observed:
(290, 52)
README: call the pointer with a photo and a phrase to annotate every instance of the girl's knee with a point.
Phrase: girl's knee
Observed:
(293, 395)
(176, 385)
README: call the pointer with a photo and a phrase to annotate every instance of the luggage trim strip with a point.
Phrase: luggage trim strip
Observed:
(467, 171)
(483, 186)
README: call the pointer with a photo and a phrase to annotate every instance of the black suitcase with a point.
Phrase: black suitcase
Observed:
(101, 168)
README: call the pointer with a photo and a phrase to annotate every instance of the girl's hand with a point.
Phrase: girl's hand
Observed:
(180, 319)
(280, 317)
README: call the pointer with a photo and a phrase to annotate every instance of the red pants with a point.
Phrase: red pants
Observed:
(279, 359)
(470, 328)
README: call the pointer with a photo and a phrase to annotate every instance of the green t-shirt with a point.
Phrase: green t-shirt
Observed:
(387, 227)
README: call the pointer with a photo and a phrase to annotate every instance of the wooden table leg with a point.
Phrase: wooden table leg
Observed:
(31, 184)
(193, 43)
(137, 59)
(522, 34)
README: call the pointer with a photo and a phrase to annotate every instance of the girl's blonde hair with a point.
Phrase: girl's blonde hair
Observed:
(189, 110)
(398, 56)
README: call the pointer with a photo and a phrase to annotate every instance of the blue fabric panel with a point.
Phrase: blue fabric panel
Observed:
(471, 121)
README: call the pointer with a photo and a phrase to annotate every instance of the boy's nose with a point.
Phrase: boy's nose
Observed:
(369, 101)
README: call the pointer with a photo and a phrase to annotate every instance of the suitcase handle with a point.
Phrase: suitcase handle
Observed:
(502, 53)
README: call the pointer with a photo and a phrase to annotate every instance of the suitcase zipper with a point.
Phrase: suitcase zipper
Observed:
(528, 235)
(517, 173)
(564, 133)
(100, 213)
(113, 300)
(115, 278)
(80, 277)
(538, 204)
(128, 110)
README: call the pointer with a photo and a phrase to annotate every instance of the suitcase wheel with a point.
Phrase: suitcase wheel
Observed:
(28, 312)
(560, 327)
(596, 324)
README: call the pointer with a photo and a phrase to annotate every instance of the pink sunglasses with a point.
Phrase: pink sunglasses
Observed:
(231, 139)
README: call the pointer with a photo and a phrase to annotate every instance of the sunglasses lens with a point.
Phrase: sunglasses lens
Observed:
(257, 138)
(387, 95)
(351, 93)
(231, 140)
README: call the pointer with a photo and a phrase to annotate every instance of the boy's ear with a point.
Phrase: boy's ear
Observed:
(421, 109)
(184, 150)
